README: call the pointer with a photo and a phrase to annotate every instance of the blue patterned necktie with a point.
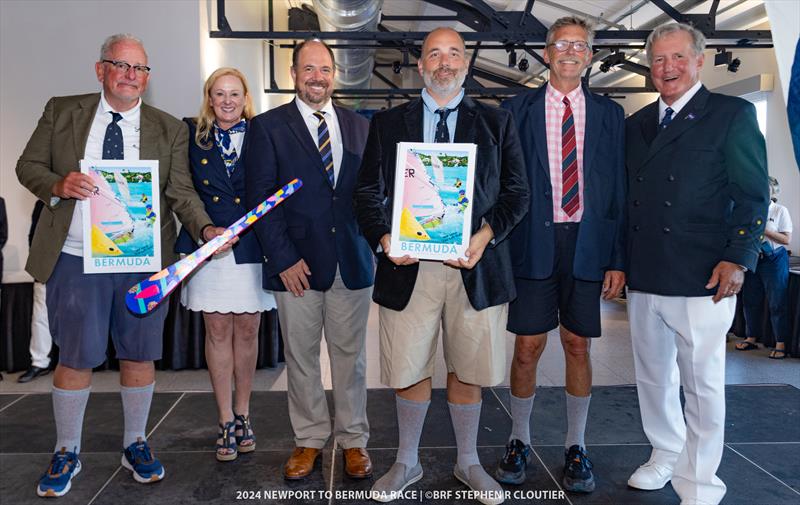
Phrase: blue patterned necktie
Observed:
(113, 148)
(226, 148)
(442, 132)
(668, 112)
(324, 145)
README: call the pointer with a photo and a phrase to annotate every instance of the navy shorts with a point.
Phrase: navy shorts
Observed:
(540, 303)
(83, 308)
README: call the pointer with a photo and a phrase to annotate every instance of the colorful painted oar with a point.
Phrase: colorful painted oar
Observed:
(145, 296)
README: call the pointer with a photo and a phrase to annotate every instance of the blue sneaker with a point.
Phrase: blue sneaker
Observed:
(578, 477)
(145, 467)
(57, 480)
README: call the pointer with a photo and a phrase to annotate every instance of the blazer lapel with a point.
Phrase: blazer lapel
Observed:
(593, 130)
(465, 123)
(82, 118)
(298, 126)
(538, 125)
(649, 123)
(687, 118)
(413, 121)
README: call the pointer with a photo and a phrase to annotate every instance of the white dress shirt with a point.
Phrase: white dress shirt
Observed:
(679, 103)
(312, 123)
(129, 124)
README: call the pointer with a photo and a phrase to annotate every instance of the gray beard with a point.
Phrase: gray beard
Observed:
(444, 90)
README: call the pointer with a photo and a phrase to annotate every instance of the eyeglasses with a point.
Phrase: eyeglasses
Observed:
(562, 45)
(124, 67)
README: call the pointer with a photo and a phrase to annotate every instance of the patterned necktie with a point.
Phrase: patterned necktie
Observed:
(113, 148)
(226, 148)
(324, 145)
(668, 112)
(570, 199)
(442, 133)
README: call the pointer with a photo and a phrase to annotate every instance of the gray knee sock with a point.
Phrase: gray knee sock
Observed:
(135, 409)
(68, 409)
(521, 418)
(577, 411)
(410, 419)
(466, 418)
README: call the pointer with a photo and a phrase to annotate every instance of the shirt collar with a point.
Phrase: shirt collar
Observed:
(129, 115)
(307, 111)
(433, 106)
(555, 95)
(680, 102)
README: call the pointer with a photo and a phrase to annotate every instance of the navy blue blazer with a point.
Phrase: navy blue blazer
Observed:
(316, 224)
(500, 197)
(223, 197)
(601, 236)
(698, 193)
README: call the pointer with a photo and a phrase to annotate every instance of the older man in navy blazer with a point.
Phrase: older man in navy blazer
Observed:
(569, 249)
(697, 204)
(316, 261)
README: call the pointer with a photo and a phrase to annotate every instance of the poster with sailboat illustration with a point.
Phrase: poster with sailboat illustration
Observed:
(121, 221)
(432, 211)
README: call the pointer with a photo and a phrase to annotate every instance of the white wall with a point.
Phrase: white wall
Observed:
(48, 47)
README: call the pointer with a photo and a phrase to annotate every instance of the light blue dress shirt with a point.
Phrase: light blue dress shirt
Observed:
(430, 118)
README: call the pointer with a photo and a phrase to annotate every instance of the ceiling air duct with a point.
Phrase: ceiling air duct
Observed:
(353, 66)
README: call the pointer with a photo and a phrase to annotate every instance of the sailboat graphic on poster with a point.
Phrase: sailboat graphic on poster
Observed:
(432, 215)
(121, 221)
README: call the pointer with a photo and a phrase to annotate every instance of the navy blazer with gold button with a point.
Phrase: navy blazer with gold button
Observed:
(223, 196)
(697, 193)
(317, 223)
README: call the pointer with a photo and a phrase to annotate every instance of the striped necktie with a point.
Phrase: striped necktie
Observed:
(570, 197)
(113, 149)
(324, 145)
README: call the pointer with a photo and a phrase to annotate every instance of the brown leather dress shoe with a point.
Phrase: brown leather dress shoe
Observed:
(300, 463)
(357, 464)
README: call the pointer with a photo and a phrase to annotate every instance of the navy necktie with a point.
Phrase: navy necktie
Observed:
(442, 133)
(667, 118)
(113, 148)
(324, 145)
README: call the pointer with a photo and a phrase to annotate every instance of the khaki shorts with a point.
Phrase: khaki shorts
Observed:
(474, 341)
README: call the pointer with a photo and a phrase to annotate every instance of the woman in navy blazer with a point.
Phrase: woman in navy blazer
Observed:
(227, 289)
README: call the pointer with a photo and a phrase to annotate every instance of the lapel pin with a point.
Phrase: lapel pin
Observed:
(690, 115)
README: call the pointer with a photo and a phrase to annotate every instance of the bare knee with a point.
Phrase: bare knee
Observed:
(245, 327)
(219, 328)
(528, 349)
(575, 346)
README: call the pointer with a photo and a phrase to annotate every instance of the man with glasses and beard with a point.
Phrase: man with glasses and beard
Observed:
(467, 297)
(315, 260)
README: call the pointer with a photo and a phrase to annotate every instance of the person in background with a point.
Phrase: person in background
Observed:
(41, 341)
(770, 280)
(226, 289)
(3, 239)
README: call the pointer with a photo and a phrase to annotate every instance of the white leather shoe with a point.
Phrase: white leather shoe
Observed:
(651, 476)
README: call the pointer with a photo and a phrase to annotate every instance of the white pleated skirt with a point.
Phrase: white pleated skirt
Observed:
(221, 285)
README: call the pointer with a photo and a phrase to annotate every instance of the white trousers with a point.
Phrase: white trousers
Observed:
(681, 341)
(41, 341)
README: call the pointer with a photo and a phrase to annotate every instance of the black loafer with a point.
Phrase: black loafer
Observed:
(32, 373)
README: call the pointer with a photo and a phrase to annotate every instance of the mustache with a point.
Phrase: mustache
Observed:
(324, 84)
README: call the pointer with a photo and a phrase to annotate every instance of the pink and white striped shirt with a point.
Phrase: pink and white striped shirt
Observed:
(553, 114)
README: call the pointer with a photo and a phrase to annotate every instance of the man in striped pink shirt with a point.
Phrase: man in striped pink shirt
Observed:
(570, 247)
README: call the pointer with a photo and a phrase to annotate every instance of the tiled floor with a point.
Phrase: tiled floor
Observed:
(761, 462)
(759, 465)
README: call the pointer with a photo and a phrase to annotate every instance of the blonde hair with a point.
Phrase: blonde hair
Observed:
(205, 120)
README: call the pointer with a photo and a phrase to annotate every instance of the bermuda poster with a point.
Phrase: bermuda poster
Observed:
(432, 214)
(121, 221)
